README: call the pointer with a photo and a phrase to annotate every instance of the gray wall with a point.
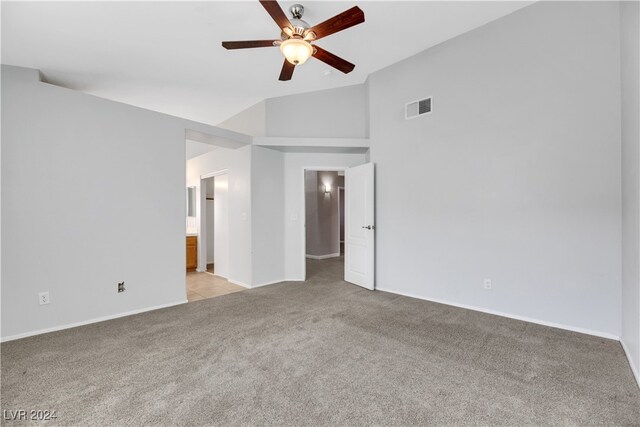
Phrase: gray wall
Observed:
(340, 113)
(251, 121)
(98, 188)
(322, 216)
(333, 113)
(630, 182)
(515, 176)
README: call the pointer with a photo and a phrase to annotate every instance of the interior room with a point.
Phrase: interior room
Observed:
(207, 231)
(324, 221)
(327, 213)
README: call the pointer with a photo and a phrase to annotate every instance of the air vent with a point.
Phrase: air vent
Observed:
(417, 108)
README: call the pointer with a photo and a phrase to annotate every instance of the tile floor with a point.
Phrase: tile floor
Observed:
(206, 285)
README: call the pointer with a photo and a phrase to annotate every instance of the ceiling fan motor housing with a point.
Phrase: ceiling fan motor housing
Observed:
(296, 10)
(299, 27)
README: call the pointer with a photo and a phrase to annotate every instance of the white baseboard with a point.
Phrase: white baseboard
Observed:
(244, 285)
(267, 283)
(634, 368)
(87, 322)
(235, 282)
(510, 316)
(323, 256)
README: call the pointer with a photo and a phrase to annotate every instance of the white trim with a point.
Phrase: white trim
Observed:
(215, 275)
(634, 368)
(212, 174)
(509, 315)
(322, 256)
(285, 141)
(340, 242)
(235, 282)
(267, 284)
(244, 285)
(90, 321)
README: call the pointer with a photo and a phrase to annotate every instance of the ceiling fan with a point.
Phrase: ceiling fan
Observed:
(296, 37)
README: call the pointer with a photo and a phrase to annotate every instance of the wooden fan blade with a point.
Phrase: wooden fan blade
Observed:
(333, 60)
(287, 71)
(248, 44)
(342, 21)
(274, 9)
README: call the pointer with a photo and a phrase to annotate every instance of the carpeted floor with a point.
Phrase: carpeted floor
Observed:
(320, 353)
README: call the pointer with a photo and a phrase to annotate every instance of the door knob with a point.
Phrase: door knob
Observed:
(368, 227)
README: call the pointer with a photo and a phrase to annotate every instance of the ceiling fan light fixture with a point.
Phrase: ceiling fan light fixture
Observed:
(296, 50)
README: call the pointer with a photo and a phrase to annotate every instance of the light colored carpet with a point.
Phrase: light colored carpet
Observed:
(319, 353)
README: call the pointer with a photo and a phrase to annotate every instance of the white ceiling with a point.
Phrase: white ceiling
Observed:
(166, 56)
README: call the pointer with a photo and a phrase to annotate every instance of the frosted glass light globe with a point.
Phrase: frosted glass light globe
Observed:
(297, 51)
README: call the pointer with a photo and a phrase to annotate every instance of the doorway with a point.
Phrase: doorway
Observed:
(215, 230)
(339, 223)
(341, 214)
(324, 215)
(210, 278)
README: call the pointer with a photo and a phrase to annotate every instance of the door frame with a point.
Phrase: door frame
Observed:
(202, 220)
(345, 212)
(303, 220)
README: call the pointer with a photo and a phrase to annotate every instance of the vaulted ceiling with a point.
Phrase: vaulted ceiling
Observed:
(166, 56)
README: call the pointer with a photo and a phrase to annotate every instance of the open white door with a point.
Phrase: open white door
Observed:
(359, 252)
(221, 225)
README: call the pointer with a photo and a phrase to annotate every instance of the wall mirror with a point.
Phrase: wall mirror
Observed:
(191, 201)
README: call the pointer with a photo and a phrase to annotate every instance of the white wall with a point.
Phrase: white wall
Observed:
(630, 183)
(238, 164)
(267, 184)
(515, 176)
(333, 113)
(294, 165)
(111, 180)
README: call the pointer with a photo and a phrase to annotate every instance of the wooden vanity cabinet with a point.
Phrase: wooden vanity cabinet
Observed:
(192, 252)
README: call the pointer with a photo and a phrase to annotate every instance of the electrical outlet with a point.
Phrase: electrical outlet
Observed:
(121, 287)
(43, 298)
(487, 283)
